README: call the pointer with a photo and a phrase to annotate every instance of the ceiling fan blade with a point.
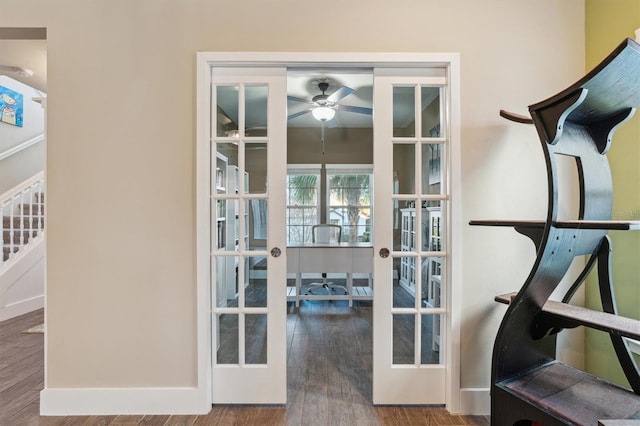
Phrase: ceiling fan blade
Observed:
(223, 118)
(356, 109)
(297, 99)
(340, 93)
(298, 114)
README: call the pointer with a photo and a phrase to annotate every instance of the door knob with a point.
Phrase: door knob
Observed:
(275, 252)
(384, 253)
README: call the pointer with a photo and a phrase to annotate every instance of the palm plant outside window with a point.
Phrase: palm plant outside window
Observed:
(350, 204)
(302, 206)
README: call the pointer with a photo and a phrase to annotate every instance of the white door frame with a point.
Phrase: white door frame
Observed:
(207, 60)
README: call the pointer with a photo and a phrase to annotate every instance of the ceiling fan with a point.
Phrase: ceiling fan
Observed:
(323, 107)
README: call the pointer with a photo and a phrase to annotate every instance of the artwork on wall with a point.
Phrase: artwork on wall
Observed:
(11, 106)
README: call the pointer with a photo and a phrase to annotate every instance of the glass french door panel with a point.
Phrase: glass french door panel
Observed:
(255, 292)
(404, 166)
(226, 115)
(220, 271)
(228, 347)
(432, 168)
(403, 339)
(432, 279)
(434, 229)
(227, 281)
(430, 100)
(256, 223)
(404, 293)
(248, 113)
(404, 234)
(404, 121)
(431, 333)
(256, 168)
(256, 108)
(218, 224)
(255, 334)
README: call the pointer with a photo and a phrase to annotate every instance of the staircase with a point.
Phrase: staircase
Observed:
(22, 211)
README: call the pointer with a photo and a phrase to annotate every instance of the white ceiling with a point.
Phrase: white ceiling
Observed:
(28, 54)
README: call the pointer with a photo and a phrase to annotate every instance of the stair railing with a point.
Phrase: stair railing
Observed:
(22, 212)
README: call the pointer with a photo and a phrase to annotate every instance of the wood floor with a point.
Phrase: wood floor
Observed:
(329, 379)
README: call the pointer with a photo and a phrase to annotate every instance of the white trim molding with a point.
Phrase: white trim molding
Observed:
(122, 401)
(20, 147)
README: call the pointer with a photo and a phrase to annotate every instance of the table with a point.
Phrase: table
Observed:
(348, 258)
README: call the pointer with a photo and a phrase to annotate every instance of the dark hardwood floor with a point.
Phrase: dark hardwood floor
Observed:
(329, 378)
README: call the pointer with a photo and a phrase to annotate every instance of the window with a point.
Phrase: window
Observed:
(349, 200)
(303, 208)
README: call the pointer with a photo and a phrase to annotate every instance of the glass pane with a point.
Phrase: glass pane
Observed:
(431, 325)
(404, 224)
(300, 220)
(432, 168)
(227, 281)
(219, 175)
(302, 190)
(404, 166)
(255, 293)
(255, 180)
(256, 223)
(404, 295)
(404, 120)
(231, 223)
(432, 282)
(221, 277)
(404, 339)
(228, 352)
(227, 156)
(430, 112)
(433, 228)
(256, 111)
(255, 332)
(227, 111)
(220, 228)
(404, 291)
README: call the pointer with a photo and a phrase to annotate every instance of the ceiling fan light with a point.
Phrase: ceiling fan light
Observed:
(323, 113)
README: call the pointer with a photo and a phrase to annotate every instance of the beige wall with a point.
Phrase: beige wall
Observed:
(121, 156)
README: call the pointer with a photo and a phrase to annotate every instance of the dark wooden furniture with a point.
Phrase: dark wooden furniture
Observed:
(527, 383)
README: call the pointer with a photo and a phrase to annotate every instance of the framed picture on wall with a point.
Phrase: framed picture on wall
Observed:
(11, 106)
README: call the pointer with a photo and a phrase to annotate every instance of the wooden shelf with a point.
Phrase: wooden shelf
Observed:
(573, 316)
(572, 395)
(576, 315)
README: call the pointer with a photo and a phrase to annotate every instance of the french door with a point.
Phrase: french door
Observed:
(415, 319)
(248, 246)
(411, 263)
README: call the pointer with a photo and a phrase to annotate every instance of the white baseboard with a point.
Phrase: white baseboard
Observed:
(122, 401)
(21, 308)
(475, 401)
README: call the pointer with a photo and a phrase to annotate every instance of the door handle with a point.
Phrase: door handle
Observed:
(275, 252)
(384, 252)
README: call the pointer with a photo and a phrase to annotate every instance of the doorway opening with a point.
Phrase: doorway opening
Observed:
(329, 182)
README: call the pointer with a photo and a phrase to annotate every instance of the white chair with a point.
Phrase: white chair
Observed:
(326, 234)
